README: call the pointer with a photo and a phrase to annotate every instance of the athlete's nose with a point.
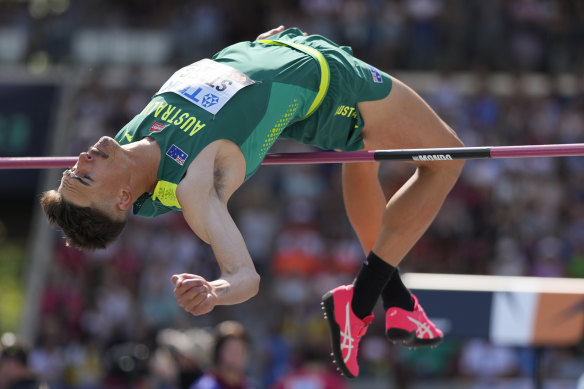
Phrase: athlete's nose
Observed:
(85, 156)
(84, 160)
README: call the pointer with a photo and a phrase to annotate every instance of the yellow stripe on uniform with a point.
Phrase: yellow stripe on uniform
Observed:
(126, 134)
(325, 74)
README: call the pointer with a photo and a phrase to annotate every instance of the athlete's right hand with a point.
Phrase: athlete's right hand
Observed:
(268, 34)
(194, 294)
(273, 31)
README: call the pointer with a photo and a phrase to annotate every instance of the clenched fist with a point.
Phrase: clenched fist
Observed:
(194, 294)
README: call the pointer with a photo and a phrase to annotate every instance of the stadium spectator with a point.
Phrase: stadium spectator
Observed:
(14, 370)
(231, 357)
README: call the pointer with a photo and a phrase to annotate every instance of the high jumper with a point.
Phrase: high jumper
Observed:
(208, 129)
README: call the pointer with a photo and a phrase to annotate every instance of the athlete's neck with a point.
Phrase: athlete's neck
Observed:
(144, 159)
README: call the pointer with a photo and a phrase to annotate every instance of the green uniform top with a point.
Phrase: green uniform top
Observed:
(286, 88)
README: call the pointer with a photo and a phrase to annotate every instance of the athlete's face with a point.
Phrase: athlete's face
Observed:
(99, 177)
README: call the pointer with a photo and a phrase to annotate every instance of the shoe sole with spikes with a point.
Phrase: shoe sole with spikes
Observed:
(328, 306)
(409, 339)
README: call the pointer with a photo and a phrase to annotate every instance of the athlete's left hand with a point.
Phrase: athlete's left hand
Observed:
(194, 294)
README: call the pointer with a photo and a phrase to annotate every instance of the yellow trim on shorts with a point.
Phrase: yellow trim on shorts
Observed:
(325, 74)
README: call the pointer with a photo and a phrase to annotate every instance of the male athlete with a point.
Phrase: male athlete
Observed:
(206, 131)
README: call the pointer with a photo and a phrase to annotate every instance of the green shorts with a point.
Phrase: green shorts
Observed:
(288, 102)
(337, 123)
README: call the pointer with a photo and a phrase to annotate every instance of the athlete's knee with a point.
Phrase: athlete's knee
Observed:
(456, 168)
(446, 169)
(452, 167)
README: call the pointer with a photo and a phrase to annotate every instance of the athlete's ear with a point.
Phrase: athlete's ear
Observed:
(125, 200)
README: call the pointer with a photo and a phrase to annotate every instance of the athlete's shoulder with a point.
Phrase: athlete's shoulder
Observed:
(128, 133)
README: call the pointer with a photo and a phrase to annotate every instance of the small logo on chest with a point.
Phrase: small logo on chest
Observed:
(376, 75)
(157, 127)
(177, 154)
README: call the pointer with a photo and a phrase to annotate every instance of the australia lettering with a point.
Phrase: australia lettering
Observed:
(347, 111)
(171, 114)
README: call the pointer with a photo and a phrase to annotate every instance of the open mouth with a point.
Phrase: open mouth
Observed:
(69, 173)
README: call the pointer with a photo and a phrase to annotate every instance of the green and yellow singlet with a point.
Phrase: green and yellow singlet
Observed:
(252, 93)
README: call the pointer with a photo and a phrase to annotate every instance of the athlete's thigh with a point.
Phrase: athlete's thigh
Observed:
(404, 120)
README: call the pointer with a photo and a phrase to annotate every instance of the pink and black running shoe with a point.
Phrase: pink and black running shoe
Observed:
(346, 328)
(412, 329)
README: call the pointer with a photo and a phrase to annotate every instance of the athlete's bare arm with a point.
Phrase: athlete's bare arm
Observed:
(203, 194)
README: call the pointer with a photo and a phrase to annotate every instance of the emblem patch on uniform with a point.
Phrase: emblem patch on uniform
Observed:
(209, 99)
(375, 74)
(177, 154)
(157, 127)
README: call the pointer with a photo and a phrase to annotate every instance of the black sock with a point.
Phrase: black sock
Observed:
(395, 294)
(370, 281)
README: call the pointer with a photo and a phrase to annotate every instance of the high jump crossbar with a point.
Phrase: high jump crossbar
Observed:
(430, 154)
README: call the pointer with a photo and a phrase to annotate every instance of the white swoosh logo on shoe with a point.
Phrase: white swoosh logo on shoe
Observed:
(347, 340)
(422, 329)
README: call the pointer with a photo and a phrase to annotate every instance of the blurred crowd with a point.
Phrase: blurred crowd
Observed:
(108, 319)
(504, 217)
(499, 35)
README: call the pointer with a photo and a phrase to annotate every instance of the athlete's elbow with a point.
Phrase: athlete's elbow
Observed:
(254, 283)
(250, 283)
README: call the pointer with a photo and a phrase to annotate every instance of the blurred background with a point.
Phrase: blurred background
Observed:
(500, 72)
